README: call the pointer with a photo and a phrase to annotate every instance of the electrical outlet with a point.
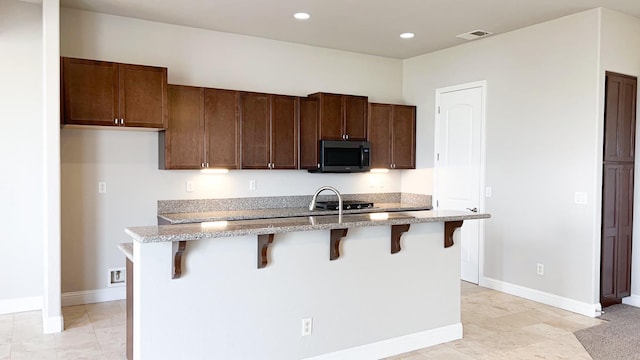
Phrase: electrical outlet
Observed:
(307, 326)
(188, 186)
(252, 185)
(488, 191)
(117, 276)
(102, 187)
(540, 269)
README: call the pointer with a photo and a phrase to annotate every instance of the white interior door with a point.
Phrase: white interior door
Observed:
(458, 182)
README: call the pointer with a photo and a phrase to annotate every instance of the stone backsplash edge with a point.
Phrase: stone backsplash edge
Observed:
(275, 202)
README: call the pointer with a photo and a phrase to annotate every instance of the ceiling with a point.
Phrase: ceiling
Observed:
(364, 26)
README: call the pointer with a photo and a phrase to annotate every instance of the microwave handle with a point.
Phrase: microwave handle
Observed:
(361, 156)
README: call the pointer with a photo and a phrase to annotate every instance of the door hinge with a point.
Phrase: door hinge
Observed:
(438, 156)
(438, 109)
(437, 203)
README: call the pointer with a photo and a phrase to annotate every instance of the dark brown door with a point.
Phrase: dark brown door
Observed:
(380, 135)
(617, 188)
(184, 137)
(284, 132)
(90, 92)
(355, 117)
(403, 140)
(254, 117)
(331, 118)
(309, 133)
(617, 222)
(222, 129)
(142, 93)
(620, 121)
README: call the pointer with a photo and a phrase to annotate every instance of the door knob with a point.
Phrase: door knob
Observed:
(473, 210)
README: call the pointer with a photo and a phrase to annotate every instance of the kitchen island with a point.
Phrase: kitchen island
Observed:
(374, 285)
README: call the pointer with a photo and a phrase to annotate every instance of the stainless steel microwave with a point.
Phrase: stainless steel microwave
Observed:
(343, 156)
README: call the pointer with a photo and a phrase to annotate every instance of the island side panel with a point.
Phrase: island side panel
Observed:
(224, 307)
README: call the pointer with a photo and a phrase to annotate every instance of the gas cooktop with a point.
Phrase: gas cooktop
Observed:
(346, 205)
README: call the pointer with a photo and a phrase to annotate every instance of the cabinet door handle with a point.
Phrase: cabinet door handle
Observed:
(347, 137)
(202, 165)
(115, 121)
(121, 121)
(207, 164)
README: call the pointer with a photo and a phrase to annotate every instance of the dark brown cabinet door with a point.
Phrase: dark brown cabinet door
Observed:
(380, 135)
(620, 118)
(222, 129)
(284, 132)
(330, 115)
(308, 133)
(184, 138)
(617, 188)
(392, 134)
(617, 223)
(355, 117)
(403, 139)
(89, 92)
(254, 117)
(113, 94)
(341, 117)
(143, 96)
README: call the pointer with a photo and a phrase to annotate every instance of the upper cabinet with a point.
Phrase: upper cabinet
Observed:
(309, 133)
(113, 94)
(222, 128)
(203, 129)
(269, 131)
(181, 146)
(620, 118)
(215, 128)
(392, 134)
(341, 117)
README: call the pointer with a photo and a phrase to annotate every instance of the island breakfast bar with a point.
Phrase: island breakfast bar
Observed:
(369, 286)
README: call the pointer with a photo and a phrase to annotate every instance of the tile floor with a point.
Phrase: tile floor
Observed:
(496, 326)
(500, 326)
(94, 331)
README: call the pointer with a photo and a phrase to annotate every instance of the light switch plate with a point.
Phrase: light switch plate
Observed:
(580, 198)
(102, 187)
(488, 191)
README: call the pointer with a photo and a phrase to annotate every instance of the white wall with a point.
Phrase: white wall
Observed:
(620, 52)
(92, 223)
(21, 154)
(540, 134)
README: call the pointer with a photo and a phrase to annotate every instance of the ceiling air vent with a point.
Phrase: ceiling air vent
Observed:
(475, 34)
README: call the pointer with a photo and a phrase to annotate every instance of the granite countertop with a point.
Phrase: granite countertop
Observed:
(284, 212)
(217, 228)
(127, 249)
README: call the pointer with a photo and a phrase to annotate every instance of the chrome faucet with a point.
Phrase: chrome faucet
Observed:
(315, 197)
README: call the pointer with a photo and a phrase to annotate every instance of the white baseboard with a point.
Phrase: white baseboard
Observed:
(395, 346)
(51, 325)
(10, 306)
(591, 310)
(633, 300)
(94, 296)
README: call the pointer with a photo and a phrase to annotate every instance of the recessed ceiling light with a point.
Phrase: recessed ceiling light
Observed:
(407, 35)
(302, 16)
